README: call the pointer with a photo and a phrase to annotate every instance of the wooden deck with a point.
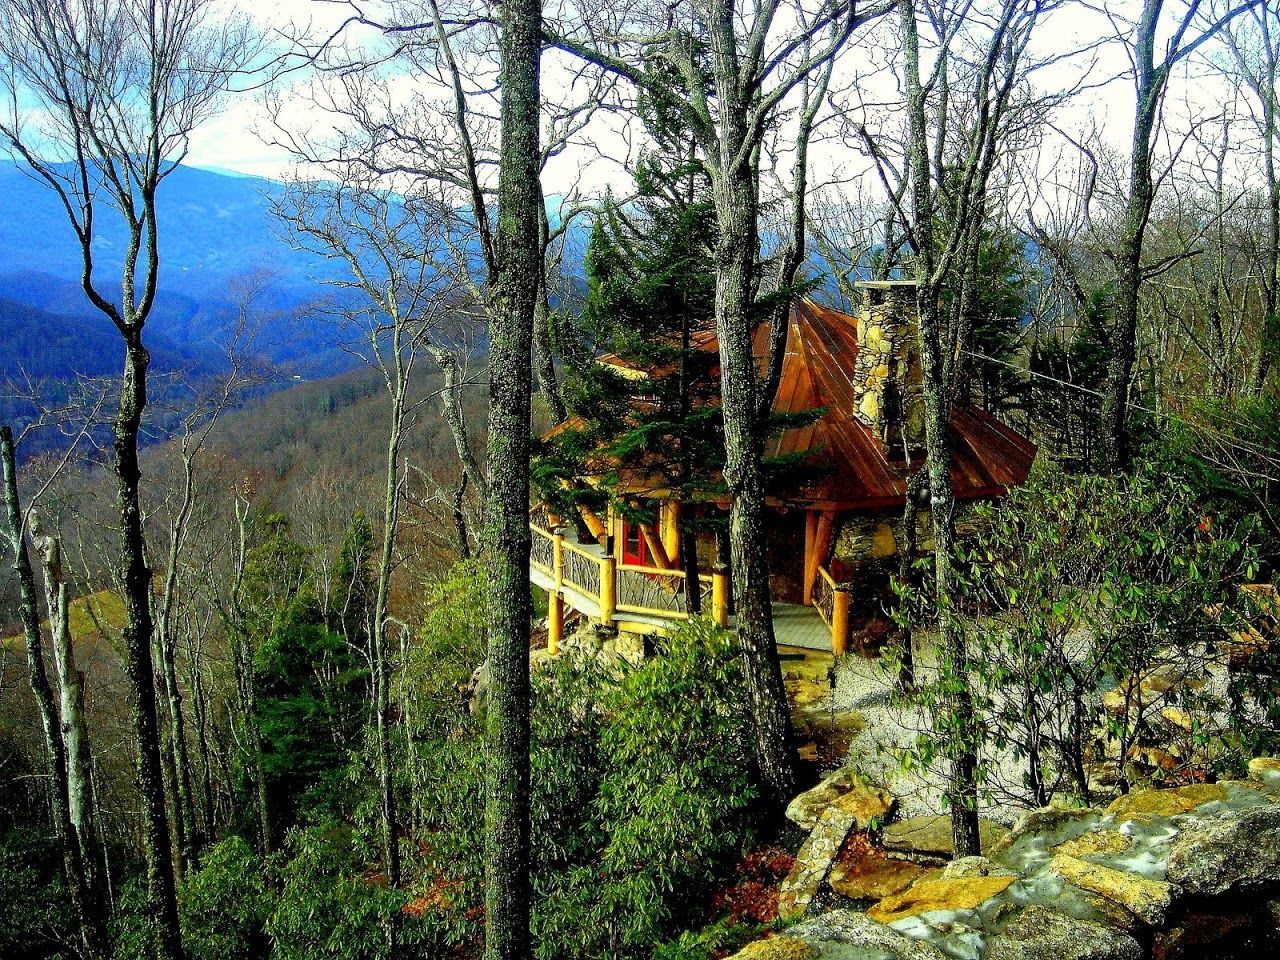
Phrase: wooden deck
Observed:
(794, 625)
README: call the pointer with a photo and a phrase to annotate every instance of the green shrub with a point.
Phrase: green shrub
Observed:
(225, 904)
(327, 907)
(35, 915)
(720, 939)
(642, 790)
(132, 928)
(1225, 452)
(1076, 586)
(658, 796)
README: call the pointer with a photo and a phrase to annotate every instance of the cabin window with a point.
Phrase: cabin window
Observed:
(634, 549)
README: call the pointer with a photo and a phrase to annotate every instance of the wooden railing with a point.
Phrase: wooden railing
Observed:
(580, 569)
(831, 600)
(659, 591)
(622, 588)
(542, 553)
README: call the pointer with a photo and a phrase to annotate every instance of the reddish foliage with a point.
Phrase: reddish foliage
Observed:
(752, 895)
(435, 898)
(856, 847)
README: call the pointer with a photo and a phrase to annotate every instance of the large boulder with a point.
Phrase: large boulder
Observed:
(974, 867)
(814, 860)
(781, 947)
(961, 893)
(1096, 841)
(874, 876)
(868, 805)
(1042, 821)
(1041, 933)
(1146, 804)
(1238, 853)
(1149, 900)
(839, 933)
(1265, 770)
(930, 836)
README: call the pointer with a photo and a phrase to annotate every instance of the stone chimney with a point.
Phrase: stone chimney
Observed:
(888, 388)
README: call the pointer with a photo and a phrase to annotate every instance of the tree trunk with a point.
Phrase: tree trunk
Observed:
(516, 290)
(178, 758)
(451, 407)
(381, 655)
(962, 785)
(544, 354)
(1271, 283)
(201, 708)
(135, 589)
(906, 573)
(1114, 440)
(80, 888)
(184, 801)
(75, 729)
(744, 477)
(460, 519)
(962, 791)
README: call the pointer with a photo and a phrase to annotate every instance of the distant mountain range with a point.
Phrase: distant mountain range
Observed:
(214, 228)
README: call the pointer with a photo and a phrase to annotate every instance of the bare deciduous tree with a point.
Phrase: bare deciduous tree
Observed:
(102, 98)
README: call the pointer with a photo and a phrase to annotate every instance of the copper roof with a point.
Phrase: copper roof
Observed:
(852, 470)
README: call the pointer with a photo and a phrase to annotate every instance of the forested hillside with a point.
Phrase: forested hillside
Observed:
(696, 480)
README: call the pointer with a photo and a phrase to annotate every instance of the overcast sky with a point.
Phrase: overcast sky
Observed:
(233, 141)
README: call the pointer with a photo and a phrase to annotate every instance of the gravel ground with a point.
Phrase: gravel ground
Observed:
(865, 685)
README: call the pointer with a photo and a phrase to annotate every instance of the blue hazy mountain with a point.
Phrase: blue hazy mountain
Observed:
(214, 228)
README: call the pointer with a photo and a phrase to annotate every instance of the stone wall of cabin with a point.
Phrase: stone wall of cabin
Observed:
(889, 389)
(867, 540)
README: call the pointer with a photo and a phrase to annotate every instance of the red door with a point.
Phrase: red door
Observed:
(634, 549)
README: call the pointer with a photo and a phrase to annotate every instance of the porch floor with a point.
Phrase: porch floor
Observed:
(794, 625)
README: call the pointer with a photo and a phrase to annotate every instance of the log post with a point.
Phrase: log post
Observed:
(557, 556)
(657, 550)
(720, 595)
(819, 531)
(840, 621)
(608, 589)
(671, 530)
(594, 524)
(555, 621)
(810, 551)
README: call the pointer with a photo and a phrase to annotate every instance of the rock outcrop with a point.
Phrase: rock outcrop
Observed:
(833, 934)
(1041, 933)
(1230, 854)
(867, 804)
(1170, 874)
(950, 895)
(831, 810)
(931, 836)
(1148, 900)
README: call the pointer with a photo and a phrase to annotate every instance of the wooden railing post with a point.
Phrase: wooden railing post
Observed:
(555, 621)
(608, 589)
(840, 621)
(720, 594)
(557, 556)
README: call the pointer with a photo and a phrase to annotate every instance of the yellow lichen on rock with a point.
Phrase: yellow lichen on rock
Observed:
(1165, 803)
(1096, 841)
(875, 876)
(1147, 899)
(868, 805)
(929, 895)
(780, 947)
(1265, 770)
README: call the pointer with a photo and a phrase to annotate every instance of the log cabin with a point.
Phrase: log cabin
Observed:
(832, 531)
